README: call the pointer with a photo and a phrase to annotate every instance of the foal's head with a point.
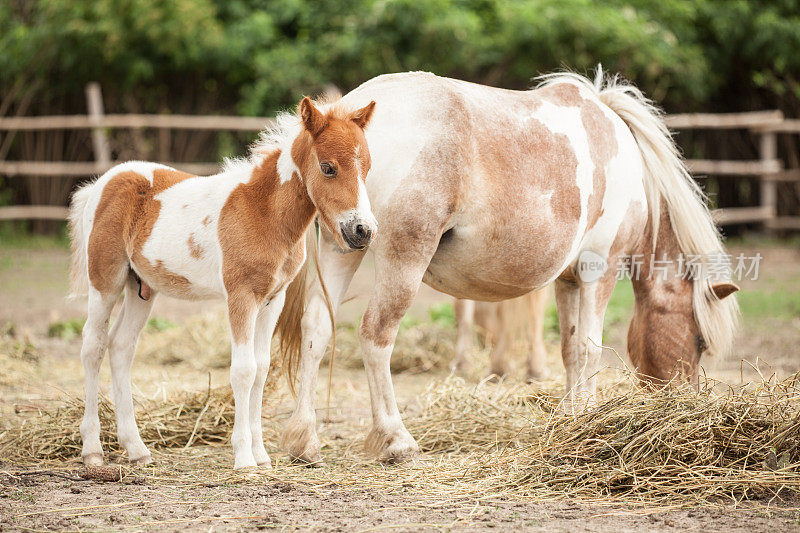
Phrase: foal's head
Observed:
(334, 165)
(675, 322)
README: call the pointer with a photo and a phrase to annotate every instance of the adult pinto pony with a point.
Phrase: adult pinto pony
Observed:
(487, 194)
(240, 235)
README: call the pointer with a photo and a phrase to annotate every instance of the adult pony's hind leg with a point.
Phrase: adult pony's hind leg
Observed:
(299, 438)
(265, 326)
(122, 347)
(95, 342)
(465, 318)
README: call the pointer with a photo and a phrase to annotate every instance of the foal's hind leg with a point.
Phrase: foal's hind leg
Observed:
(95, 341)
(265, 326)
(121, 349)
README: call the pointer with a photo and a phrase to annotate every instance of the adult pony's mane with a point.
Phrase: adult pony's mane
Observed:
(668, 180)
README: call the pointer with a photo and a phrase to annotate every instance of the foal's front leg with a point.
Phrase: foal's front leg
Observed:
(265, 326)
(242, 313)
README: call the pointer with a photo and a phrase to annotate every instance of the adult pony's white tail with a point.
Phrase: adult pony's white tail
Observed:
(667, 180)
(79, 239)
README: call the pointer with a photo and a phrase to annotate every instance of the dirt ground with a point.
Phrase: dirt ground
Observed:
(179, 494)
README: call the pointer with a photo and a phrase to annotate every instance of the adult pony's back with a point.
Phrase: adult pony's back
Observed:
(487, 194)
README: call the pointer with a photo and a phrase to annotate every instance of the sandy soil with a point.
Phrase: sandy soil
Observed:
(33, 284)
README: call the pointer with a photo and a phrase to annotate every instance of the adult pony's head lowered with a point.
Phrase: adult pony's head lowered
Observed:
(682, 315)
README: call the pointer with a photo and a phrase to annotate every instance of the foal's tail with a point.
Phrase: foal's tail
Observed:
(289, 327)
(79, 240)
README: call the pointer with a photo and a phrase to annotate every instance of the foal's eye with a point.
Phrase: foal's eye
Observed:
(327, 169)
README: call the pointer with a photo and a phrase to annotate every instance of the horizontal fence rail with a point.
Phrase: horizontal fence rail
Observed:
(765, 124)
(134, 121)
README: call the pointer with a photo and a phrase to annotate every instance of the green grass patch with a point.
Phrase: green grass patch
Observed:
(160, 324)
(15, 235)
(443, 314)
(756, 305)
(66, 329)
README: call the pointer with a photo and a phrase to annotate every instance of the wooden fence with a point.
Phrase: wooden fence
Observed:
(764, 124)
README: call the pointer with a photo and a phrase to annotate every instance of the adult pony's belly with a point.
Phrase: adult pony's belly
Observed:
(477, 264)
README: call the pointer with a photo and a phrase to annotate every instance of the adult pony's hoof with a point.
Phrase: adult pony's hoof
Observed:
(393, 447)
(300, 441)
(143, 460)
(312, 461)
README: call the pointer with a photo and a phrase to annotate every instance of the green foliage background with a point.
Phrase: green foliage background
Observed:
(253, 56)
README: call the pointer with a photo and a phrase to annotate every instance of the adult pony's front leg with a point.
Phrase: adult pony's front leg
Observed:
(265, 326)
(299, 438)
(242, 313)
(397, 281)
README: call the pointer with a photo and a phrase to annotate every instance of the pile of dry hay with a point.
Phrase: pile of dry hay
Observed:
(667, 446)
(186, 419)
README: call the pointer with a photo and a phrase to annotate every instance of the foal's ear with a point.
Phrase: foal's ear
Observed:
(723, 290)
(362, 116)
(313, 120)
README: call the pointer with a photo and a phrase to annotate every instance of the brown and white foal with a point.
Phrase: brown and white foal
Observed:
(240, 235)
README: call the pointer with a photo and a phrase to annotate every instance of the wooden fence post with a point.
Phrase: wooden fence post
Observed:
(102, 149)
(769, 187)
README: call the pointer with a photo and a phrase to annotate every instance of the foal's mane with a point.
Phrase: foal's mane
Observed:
(281, 133)
(667, 180)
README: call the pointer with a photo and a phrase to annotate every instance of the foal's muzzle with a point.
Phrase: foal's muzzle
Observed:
(357, 233)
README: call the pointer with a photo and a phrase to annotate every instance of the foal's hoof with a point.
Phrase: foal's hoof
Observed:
(93, 459)
(143, 460)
